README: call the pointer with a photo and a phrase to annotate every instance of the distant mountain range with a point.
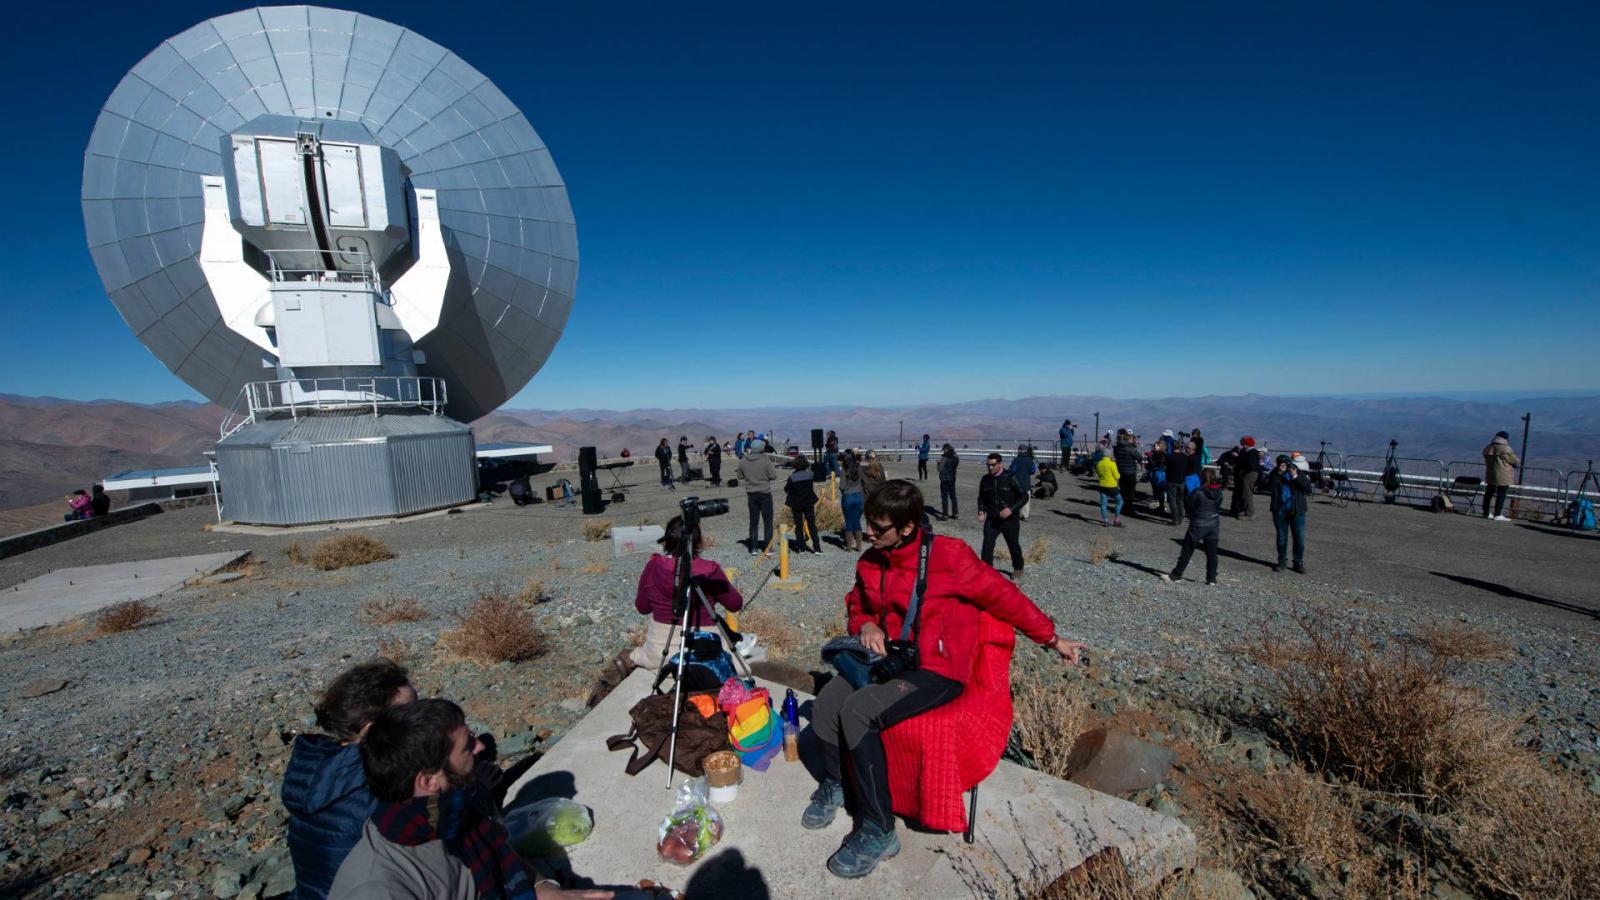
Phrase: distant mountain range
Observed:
(50, 446)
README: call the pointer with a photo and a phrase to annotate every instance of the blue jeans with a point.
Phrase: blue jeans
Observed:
(1290, 522)
(851, 504)
(830, 462)
(1107, 493)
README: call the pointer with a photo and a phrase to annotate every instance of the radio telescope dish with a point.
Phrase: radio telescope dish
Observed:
(396, 124)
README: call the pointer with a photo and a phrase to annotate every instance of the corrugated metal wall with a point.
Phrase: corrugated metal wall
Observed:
(334, 468)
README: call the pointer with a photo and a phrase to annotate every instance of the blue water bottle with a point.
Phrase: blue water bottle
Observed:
(791, 709)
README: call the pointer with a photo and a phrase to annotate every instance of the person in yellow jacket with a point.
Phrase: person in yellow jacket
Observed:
(1109, 481)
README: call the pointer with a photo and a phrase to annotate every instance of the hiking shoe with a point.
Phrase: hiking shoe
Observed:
(1166, 577)
(1211, 582)
(862, 851)
(1277, 567)
(1299, 569)
(825, 802)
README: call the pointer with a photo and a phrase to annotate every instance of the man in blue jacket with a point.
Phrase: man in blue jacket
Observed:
(1289, 489)
(324, 787)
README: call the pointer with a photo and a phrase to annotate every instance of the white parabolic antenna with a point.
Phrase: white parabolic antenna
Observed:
(393, 125)
(344, 234)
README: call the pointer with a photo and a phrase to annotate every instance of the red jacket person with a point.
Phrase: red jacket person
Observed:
(848, 719)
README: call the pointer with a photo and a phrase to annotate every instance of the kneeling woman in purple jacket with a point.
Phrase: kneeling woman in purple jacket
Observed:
(655, 593)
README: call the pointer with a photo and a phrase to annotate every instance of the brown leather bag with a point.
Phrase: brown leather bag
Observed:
(650, 738)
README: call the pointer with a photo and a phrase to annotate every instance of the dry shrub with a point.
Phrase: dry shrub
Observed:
(296, 554)
(1050, 712)
(597, 530)
(1454, 641)
(784, 634)
(1038, 551)
(1100, 550)
(393, 649)
(1292, 816)
(830, 516)
(495, 628)
(533, 592)
(124, 616)
(1531, 833)
(1384, 714)
(349, 550)
(392, 612)
(595, 569)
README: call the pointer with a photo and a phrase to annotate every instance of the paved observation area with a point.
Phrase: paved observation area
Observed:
(78, 590)
(1031, 828)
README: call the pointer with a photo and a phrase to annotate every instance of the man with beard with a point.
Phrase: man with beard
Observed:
(433, 835)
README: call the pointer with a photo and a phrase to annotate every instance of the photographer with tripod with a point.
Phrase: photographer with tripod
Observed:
(916, 603)
(655, 596)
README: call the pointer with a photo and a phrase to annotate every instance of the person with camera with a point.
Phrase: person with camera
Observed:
(758, 472)
(925, 666)
(1000, 496)
(664, 460)
(1290, 490)
(654, 597)
(923, 450)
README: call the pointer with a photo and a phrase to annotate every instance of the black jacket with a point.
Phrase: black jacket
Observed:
(664, 455)
(800, 491)
(998, 492)
(1177, 467)
(1205, 511)
(1250, 461)
(947, 467)
(1299, 489)
(1127, 458)
(683, 453)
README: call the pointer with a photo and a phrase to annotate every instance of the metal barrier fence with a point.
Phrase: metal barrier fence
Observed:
(1543, 494)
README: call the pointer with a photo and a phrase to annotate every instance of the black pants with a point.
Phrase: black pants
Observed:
(1175, 495)
(715, 462)
(808, 515)
(666, 471)
(1496, 492)
(854, 718)
(947, 498)
(1129, 482)
(1190, 541)
(760, 504)
(922, 469)
(1011, 527)
(1244, 493)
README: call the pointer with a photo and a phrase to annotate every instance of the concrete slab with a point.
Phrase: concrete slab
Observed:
(65, 593)
(1031, 828)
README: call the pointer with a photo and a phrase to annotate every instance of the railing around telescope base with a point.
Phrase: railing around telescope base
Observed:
(298, 396)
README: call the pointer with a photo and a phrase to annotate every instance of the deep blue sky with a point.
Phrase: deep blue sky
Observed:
(877, 204)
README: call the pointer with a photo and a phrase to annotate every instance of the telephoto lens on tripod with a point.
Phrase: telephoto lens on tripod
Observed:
(694, 509)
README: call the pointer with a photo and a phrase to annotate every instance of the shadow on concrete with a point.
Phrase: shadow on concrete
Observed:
(728, 875)
(1078, 516)
(1515, 594)
(550, 784)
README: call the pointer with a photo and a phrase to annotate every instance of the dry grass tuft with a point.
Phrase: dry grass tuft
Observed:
(349, 550)
(1292, 816)
(1531, 834)
(393, 612)
(830, 516)
(393, 649)
(1038, 551)
(782, 634)
(1050, 712)
(496, 628)
(533, 592)
(296, 554)
(1384, 714)
(594, 569)
(1100, 550)
(1454, 641)
(124, 616)
(597, 530)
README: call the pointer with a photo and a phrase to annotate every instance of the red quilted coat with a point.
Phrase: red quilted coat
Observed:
(967, 630)
(960, 587)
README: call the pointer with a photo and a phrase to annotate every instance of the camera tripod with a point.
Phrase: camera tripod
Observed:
(685, 596)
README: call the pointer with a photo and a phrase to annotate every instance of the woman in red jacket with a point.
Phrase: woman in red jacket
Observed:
(851, 720)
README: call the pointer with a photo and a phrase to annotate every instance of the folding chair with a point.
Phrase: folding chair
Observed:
(1471, 485)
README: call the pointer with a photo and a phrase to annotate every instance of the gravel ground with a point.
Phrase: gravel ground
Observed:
(154, 772)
